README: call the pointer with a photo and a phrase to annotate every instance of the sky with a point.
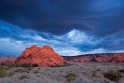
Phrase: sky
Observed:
(70, 27)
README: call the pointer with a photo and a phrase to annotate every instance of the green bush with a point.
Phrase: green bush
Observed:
(112, 75)
(121, 70)
(70, 77)
(23, 77)
(3, 74)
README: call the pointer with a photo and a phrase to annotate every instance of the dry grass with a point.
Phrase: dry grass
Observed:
(86, 72)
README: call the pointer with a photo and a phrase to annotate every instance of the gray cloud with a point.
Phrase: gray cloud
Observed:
(69, 26)
(74, 42)
(61, 16)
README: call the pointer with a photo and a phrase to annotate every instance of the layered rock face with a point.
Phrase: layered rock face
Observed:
(119, 58)
(44, 56)
(101, 57)
(8, 59)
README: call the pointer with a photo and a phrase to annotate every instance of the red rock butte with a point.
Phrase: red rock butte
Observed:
(43, 56)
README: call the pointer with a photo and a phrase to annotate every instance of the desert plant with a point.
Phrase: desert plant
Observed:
(26, 65)
(113, 75)
(2, 64)
(93, 74)
(25, 71)
(11, 73)
(3, 73)
(23, 77)
(70, 77)
(67, 64)
(35, 65)
(55, 66)
(121, 70)
(35, 71)
(18, 70)
(9, 64)
(29, 68)
(98, 69)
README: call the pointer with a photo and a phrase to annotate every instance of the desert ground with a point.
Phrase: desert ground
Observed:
(77, 72)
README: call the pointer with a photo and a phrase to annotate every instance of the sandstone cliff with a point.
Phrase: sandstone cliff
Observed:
(44, 56)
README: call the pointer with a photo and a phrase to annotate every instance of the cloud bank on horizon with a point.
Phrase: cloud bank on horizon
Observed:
(71, 27)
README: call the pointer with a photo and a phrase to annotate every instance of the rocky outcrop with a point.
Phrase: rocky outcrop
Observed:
(119, 58)
(8, 59)
(44, 56)
(101, 57)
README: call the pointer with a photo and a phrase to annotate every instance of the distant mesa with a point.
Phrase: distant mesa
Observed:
(101, 57)
(43, 56)
(8, 59)
(119, 58)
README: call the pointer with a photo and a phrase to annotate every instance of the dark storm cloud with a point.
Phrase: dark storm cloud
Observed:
(61, 16)
(70, 26)
(74, 42)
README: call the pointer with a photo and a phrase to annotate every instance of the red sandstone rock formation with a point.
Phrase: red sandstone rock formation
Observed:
(101, 57)
(44, 56)
(119, 58)
(8, 59)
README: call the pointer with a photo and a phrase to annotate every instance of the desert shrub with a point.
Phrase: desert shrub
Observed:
(67, 64)
(35, 71)
(7, 64)
(26, 65)
(29, 68)
(3, 64)
(21, 70)
(55, 65)
(112, 75)
(70, 77)
(23, 77)
(98, 69)
(35, 65)
(18, 70)
(93, 74)
(3, 73)
(25, 71)
(1, 67)
(38, 68)
(11, 73)
(121, 70)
